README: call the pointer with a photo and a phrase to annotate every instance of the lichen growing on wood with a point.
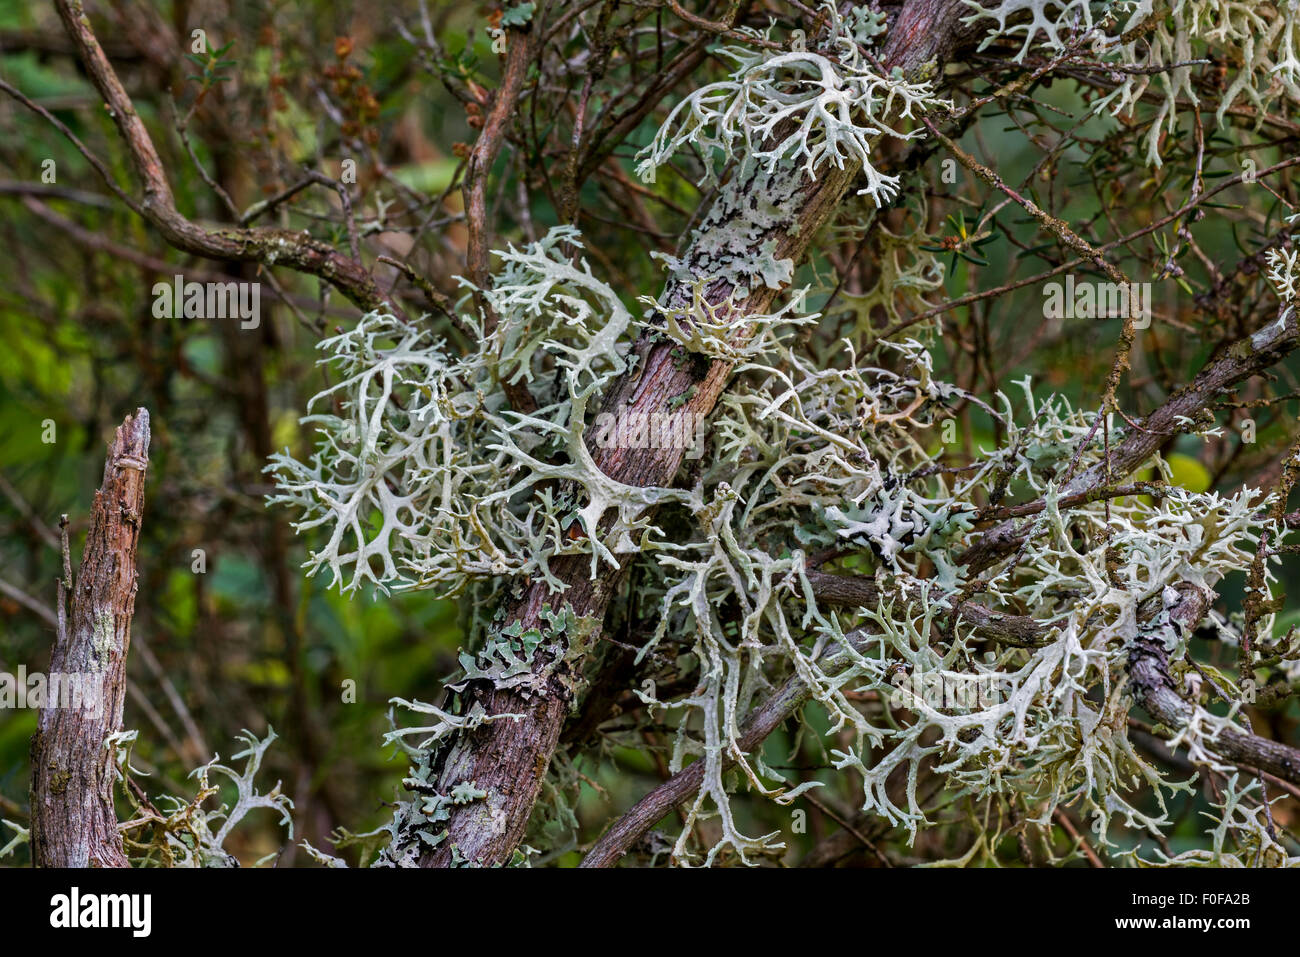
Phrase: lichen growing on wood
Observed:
(425, 477)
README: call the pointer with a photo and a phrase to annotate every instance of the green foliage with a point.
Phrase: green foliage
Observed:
(214, 67)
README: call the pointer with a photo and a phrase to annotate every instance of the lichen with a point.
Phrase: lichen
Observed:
(428, 479)
(1259, 40)
(835, 101)
(429, 475)
(186, 832)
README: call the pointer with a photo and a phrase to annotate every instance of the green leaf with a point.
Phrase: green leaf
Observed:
(1189, 473)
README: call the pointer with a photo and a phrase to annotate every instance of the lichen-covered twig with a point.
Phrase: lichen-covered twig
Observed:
(508, 759)
(1149, 678)
(1247, 357)
(765, 719)
(1153, 687)
(860, 591)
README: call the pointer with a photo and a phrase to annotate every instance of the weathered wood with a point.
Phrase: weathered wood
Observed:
(73, 820)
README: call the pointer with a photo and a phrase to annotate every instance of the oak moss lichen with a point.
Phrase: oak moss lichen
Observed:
(425, 477)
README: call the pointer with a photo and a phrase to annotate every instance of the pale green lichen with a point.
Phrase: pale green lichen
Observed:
(716, 329)
(733, 243)
(21, 836)
(428, 478)
(835, 99)
(443, 487)
(1258, 40)
(184, 832)
(103, 640)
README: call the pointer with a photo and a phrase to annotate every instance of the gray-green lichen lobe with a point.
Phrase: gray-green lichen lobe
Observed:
(735, 241)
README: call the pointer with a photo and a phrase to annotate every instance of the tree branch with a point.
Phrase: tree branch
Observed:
(1247, 357)
(1148, 667)
(859, 591)
(762, 721)
(521, 47)
(73, 769)
(158, 205)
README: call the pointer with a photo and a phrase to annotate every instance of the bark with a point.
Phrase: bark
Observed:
(508, 758)
(73, 772)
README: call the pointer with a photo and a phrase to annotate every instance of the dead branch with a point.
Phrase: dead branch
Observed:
(73, 759)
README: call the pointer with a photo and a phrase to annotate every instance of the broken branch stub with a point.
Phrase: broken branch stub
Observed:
(73, 760)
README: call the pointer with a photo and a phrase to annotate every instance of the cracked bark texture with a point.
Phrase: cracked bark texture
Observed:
(508, 759)
(74, 823)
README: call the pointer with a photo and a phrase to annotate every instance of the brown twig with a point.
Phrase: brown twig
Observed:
(1063, 819)
(158, 205)
(1247, 357)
